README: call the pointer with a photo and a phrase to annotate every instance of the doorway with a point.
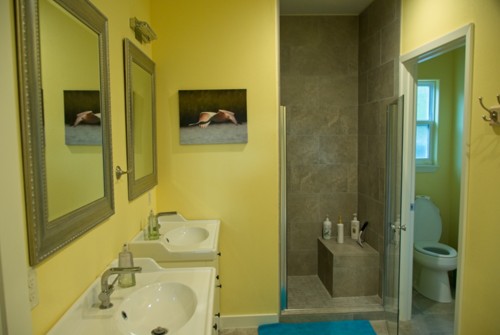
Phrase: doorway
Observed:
(415, 66)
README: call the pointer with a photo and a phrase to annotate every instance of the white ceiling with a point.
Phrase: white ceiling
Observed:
(323, 7)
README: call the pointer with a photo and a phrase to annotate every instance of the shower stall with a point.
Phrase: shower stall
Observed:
(339, 80)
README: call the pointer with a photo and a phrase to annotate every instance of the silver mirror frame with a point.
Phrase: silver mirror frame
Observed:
(133, 54)
(46, 237)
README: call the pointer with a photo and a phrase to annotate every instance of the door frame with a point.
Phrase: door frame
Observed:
(408, 80)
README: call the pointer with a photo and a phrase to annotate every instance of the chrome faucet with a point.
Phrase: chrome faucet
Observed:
(107, 289)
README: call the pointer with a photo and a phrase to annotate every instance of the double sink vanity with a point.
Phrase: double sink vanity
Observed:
(176, 287)
(176, 291)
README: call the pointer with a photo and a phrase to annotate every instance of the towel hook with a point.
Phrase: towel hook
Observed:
(119, 172)
(493, 114)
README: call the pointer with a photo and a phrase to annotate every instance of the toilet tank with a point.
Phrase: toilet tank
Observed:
(428, 226)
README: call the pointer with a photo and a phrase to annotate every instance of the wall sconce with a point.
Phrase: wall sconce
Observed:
(143, 32)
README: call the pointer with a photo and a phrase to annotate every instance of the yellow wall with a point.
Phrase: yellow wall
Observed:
(422, 22)
(63, 277)
(224, 45)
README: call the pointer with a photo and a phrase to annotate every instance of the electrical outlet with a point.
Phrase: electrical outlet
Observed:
(33, 288)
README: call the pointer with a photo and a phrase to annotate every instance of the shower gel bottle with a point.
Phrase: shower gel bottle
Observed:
(340, 231)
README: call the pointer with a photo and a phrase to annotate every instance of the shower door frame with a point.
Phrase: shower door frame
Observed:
(393, 225)
(283, 295)
(408, 80)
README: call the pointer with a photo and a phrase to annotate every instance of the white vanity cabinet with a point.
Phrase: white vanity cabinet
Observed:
(184, 244)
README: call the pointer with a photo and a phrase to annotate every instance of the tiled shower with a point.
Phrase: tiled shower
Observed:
(338, 74)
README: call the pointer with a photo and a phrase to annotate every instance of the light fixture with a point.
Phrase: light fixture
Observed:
(143, 32)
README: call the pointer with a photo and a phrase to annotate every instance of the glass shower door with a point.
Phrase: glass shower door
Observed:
(393, 226)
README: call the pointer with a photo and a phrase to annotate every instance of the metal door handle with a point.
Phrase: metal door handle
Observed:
(401, 227)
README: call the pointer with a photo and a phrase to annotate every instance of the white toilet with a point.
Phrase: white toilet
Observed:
(431, 260)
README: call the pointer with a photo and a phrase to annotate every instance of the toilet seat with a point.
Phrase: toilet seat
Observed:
(435, 249)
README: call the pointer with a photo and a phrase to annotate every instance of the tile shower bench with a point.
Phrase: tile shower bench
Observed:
(348, 270)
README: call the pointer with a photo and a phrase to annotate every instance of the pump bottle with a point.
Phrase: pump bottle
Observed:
(355, 227)
(327, 229)
(126, 260)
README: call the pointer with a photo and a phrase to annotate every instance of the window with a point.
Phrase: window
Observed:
(426, 132)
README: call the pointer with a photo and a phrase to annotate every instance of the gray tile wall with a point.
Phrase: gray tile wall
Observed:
(338, 73)
(379, 30)
(319, 87)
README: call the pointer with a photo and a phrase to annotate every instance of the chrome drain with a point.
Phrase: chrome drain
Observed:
(159, 331)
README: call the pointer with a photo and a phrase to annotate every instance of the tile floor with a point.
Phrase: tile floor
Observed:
(429, 317)
(309, 292)
(306, 292)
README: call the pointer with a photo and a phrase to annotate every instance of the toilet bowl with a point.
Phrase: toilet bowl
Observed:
(432, 260)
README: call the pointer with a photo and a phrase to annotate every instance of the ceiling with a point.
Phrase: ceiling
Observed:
(323, 7)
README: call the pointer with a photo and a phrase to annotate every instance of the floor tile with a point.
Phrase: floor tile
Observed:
(306, 292)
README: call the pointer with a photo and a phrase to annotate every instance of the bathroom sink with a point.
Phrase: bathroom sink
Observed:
(186, 235)
(178, 300)
(158, 308)
(180, 240)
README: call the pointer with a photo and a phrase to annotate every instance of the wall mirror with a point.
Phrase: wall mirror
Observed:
(65, 120)
(141, 120)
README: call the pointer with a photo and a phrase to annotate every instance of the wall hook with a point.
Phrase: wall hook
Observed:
(119, 172)
(492, 111)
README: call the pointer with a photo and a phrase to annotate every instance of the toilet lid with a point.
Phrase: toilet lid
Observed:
(435, 249)
(427, 221)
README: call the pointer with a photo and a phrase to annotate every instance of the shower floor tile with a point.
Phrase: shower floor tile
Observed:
(306, 292)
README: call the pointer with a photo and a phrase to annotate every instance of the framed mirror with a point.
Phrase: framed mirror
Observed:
(65, 120)
(141, 120)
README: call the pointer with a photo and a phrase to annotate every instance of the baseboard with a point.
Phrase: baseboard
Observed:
(247, 320)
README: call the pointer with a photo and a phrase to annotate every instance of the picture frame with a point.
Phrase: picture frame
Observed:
(213, 116)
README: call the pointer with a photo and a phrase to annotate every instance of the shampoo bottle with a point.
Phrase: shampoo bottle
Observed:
(340, 231)
(355, 227)
(126, 260)
(327, 229)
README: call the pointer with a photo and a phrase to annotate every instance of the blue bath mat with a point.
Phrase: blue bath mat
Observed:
(356, 327)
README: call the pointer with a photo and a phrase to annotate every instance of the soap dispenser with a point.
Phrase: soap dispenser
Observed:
(126, 260)
(153, 230)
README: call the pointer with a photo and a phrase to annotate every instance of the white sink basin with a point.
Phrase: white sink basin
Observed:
(179, 300)
(156, 308)
(180, 240)
(186, 235)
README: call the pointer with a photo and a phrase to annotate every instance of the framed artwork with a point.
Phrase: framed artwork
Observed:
(82, 118)
(213, 116)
